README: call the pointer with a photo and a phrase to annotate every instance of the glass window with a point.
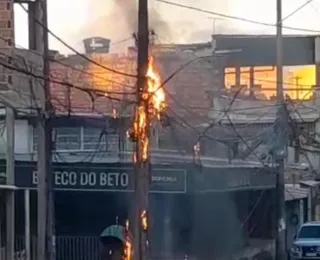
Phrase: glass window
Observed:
(68, 138)
(35, 139)
(309, 232)
(113, 142)
(86, 139)
(94, 139)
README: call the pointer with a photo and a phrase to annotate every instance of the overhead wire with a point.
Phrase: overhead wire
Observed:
(89, 91)
(297, 10)
(170, 77)
(258, 200)
(39, 77)
(233, 17)
(29, 73)
(112, 69)
(74, 50)
(214, 121)
(70, 66)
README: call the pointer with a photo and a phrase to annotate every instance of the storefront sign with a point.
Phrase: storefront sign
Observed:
(235, 180)
(99, 178)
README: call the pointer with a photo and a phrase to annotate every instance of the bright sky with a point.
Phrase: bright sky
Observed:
(74, 20)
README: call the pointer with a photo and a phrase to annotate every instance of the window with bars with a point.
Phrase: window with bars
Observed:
(94, 139)
(68, 138)
(81, 139)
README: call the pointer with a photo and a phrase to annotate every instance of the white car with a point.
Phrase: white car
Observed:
(306, 244)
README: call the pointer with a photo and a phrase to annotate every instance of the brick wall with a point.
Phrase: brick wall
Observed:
(6, 40)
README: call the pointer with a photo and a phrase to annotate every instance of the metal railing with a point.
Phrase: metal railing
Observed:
(67, 248)
(77, 248)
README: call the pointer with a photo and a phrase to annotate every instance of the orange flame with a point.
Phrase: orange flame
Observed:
(155, 91)
(144, 220)
(128, 246)
(153, 104)
(140, 129)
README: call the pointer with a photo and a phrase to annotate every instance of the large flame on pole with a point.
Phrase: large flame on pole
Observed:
(155, 91)
(153, 103)
(144, 220)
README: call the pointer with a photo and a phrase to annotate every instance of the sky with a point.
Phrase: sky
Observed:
(74, 20)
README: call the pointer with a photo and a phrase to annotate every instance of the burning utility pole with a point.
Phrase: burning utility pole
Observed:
(150, 106)
(142, 131)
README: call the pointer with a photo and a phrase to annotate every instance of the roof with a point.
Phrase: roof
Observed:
(310, 183)
(294, 192)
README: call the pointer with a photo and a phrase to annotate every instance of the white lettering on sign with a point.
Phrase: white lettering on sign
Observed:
(88, 178)
(94, 44)
(164, 179)
(114, 179)
(65, 178)
(35, 177)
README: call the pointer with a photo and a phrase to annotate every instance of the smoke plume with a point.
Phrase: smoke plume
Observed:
(129, 10)
(118, 20)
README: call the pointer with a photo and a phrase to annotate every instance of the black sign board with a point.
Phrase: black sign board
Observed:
(96, 45)
(100, 178)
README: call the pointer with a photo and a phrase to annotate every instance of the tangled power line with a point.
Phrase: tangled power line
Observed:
(174, 117)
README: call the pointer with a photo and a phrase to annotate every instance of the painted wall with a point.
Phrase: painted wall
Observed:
(23, 137)
(295, 211)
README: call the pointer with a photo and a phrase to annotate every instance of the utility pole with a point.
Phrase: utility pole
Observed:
(281, 145)
(10, 165)
(297, 78)
(142, 163)
(45, 204)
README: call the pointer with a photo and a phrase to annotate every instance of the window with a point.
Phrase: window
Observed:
(68, 138)
(113, 142)
(10, 79)
(309, 232)
(82, 139)
(94, 139)
(34, 139)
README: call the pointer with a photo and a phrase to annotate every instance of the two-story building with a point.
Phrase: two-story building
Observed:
(92, 159)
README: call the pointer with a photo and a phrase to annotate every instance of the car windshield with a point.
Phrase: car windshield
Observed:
(309, 232)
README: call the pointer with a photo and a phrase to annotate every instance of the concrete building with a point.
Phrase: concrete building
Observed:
(92, 160)
(193, 196)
